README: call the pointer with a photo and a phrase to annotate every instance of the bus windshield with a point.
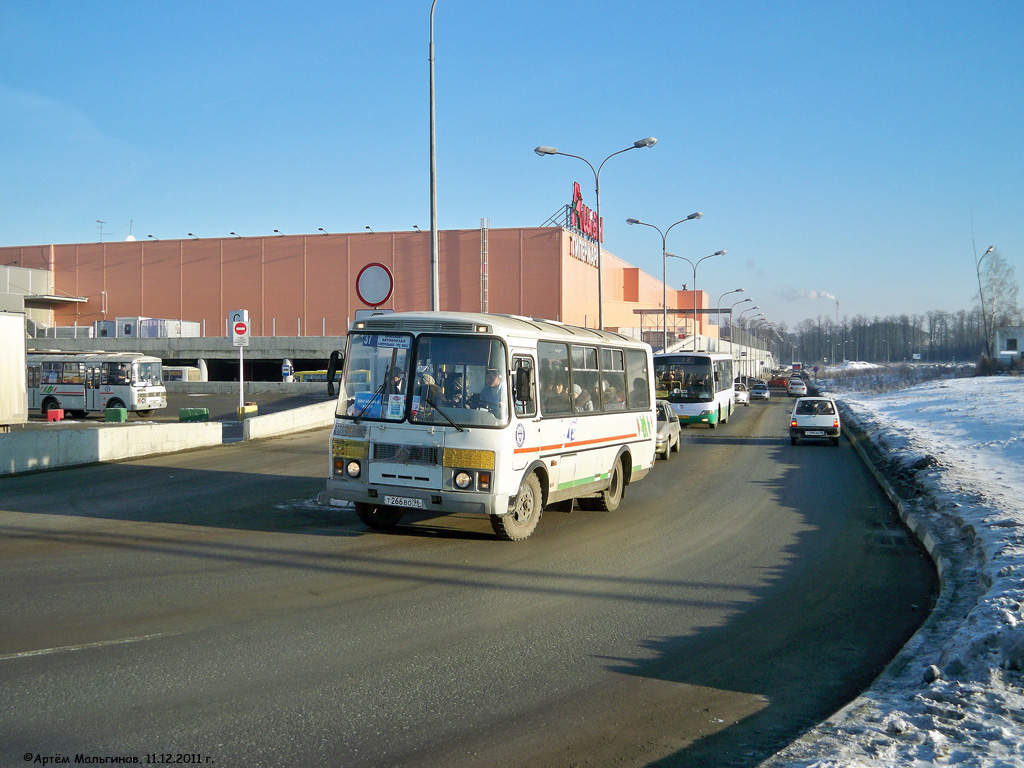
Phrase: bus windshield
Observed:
(148, 374)
(460, 381)
(375, 384)
(685, 380)
(451, 380)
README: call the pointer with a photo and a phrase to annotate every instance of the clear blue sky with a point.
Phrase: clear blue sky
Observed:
(833, 147)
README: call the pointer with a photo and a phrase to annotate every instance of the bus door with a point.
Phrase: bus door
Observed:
(526, 420)
(93, 393)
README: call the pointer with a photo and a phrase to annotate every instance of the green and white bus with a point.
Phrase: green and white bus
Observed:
(699, 385)
(442, 412)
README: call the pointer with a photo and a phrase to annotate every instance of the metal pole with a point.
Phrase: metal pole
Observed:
(435, 294)
(241, 399)
(981, 296)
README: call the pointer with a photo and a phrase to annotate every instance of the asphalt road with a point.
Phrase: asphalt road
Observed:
(203, 605)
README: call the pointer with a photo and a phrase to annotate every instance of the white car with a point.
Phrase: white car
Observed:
(796, 388)
(815, 418)
(760, 392)
(742, 396)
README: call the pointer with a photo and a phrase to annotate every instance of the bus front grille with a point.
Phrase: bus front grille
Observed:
(407, 454)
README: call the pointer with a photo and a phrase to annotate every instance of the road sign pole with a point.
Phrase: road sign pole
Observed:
(241, 385)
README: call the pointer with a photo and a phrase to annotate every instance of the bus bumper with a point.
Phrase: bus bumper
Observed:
(415, 499)
(702, 418)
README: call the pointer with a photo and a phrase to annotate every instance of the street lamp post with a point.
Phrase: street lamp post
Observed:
(694, 265)
(435, 292)
(741, 301)
(981, 295)
(650, 141)
(664, 272)
(719, 307)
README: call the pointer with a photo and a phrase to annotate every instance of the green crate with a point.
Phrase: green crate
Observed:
(116, 415)
(193, 414)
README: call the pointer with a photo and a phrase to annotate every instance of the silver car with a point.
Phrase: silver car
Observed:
(815, 417)
(667, 441)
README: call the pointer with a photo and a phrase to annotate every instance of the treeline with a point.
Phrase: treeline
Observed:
(936, 336)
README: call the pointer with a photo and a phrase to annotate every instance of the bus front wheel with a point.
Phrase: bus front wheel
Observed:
(48, 405)
(522, 519)
(378, 517)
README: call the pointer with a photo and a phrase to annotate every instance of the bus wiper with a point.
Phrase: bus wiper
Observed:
(380, 391)
(447, 418)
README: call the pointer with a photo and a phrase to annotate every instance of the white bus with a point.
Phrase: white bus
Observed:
(698, 384)
(88, 382)
(489, 414)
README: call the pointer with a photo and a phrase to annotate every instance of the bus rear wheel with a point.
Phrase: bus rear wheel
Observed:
(522, 519)
(379, 517)
(609, 499)
(48, 405)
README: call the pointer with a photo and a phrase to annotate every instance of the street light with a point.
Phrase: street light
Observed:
(650, 141)
(435, 291)
(321, 229)
(664, 272)
(741, 301)
(692, 264)
(981, 295)
(719, 307)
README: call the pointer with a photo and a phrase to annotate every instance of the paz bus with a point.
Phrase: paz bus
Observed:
(88, 382)
(499, 415)
(699, 385)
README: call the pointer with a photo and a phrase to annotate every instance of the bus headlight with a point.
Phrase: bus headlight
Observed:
(352, 469)
(463, 480)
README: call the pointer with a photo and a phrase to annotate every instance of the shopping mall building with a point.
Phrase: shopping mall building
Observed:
(306, 285)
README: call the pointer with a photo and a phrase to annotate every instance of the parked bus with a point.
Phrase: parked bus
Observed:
(488, 414)
(699, 385)
(88, 382)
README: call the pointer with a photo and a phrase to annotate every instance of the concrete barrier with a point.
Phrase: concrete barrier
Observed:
(286, 422)
(32, 450)
(249, 388)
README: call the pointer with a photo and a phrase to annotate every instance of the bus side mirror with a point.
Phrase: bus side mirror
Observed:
(334, 365)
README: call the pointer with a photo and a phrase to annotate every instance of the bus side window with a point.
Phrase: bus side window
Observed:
(524, 388)
(636, 372)
(554, 378)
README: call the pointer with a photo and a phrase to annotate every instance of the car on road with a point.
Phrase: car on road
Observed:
(778, 381)
(796, 388)
(667, 439)
(742, 395)
(760, 392)
(815, 418)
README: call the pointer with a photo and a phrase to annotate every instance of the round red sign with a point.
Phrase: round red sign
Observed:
(241, 329)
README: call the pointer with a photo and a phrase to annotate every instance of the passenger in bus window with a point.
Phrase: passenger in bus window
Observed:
(455, 391)
(581, 399)
(638, 398)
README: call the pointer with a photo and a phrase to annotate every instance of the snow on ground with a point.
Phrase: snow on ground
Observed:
(955, 694)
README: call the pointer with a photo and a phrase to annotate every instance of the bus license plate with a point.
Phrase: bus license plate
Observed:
(403, 501)
(816, 432)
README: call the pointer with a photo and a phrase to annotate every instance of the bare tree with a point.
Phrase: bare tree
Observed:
(997, 297)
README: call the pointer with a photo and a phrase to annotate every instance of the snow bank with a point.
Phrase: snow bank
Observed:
(955, 695)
